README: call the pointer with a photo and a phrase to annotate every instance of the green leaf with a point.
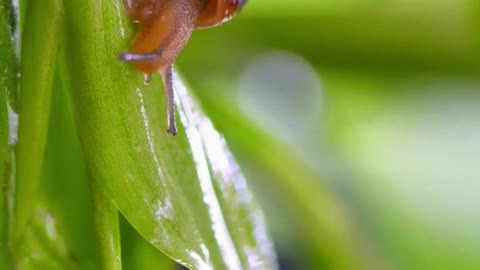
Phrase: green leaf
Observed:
(184, 194)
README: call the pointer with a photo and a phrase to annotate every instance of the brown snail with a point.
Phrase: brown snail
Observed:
(165, 27)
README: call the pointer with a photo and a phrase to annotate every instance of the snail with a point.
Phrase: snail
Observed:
(165, 27)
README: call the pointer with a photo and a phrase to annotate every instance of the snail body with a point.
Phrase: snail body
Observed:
(165, 27)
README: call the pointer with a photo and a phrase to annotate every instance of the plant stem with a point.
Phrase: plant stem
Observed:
(107, 229)
(39, 50)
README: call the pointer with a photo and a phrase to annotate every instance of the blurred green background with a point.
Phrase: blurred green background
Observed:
(357, 124)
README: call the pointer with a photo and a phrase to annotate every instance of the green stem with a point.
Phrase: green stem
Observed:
(7, 82)
(39, 50)
(107, 229)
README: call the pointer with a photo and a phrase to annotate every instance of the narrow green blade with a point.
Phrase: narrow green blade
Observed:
(7, 76)
(39, 51)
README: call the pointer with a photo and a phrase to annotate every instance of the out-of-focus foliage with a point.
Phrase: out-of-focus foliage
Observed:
(368, 109)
